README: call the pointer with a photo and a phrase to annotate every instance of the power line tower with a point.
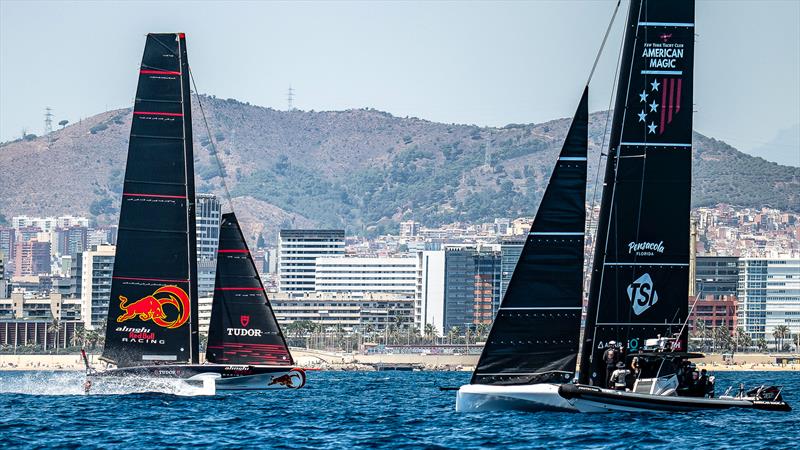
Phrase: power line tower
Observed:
(48, 120)
(290, 98)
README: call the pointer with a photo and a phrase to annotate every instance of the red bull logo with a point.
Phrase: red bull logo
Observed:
(151, 307)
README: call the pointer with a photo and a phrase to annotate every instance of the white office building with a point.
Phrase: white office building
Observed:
(391, 275)
(429, 305)
(769, 296)
(96, 270)
(298, 251)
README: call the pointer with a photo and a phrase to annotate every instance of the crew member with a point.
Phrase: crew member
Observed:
(610, 357)
(619, 377)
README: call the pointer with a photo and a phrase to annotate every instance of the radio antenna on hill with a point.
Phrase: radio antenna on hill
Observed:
(290, 98)
(48, 120)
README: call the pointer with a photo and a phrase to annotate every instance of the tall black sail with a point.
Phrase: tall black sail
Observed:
(640, 272)
(151, 312)
(243, 328)
(535, 335)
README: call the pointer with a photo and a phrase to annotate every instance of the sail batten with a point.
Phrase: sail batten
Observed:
(535, 335)
(243, 327)
(640, 273)
(151, 313)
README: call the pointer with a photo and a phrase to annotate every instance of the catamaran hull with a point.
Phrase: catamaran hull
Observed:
(230, 378)
(591, 399)
(533, 397)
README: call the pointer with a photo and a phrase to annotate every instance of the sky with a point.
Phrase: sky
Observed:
(484, 63)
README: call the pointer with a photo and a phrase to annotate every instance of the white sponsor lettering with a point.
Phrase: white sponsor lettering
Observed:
(642, 294)
(243, 332)
(645, 248)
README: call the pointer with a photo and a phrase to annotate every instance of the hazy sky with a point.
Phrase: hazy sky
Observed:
(484, 63)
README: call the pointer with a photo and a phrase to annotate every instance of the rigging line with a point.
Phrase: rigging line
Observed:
(686, 322)
(221, 168)
(603, 44)
(605, 135)
(614, 181)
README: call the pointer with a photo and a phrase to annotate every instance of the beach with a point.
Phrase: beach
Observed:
(316, 359)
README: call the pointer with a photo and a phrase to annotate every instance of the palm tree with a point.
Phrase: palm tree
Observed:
(482, 330)
(453, 333)
(743, 340)
(761, 343)
(430, 333)
(780, 333)
(54, 328)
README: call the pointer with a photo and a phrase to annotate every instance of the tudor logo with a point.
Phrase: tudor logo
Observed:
(244, 332)
(244, 320)
(642, 294)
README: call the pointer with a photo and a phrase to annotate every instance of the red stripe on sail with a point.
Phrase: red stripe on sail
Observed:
(233, 251)
(157, 113)
(128, 194)
(160, 280)
(158, 72)
(671, 96)
(678, 97)
(663, 104)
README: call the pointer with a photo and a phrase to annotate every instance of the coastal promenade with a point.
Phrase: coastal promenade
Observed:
(322, 360)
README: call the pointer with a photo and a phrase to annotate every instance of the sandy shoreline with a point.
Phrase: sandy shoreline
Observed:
(339, 361)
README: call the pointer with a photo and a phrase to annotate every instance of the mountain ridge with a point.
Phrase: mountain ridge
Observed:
(362, 169)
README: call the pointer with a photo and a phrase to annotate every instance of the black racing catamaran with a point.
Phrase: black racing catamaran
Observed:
(533, 346)
(638, 297)
(152, 322)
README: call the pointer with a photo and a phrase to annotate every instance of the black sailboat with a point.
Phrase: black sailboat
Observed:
(533, 346)
(638, 298)
(152, 322)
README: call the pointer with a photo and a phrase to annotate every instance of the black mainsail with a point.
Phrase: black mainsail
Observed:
(535, 335)
(152, 310)
(243, 328)
(640, 273)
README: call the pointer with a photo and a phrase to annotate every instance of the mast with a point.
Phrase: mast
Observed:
(152, 307)
(639, 278)
(536, 333)
(243, 328)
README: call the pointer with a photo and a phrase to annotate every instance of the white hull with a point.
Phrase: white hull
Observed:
(534, 397)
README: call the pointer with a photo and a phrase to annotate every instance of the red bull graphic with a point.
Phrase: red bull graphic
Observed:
(151, 307)
(294, 379)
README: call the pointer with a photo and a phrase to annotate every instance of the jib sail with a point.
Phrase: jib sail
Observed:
(151, 312)
(243, 328)
(535, 335)
(640, 273)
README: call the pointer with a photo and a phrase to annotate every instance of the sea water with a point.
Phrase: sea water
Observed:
(360, 410)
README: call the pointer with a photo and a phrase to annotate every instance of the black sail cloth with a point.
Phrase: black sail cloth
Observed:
(640, 273)
(535, 335)
(243, 328)
(151, 311)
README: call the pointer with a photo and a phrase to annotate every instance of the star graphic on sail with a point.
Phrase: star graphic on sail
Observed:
(643, 96)
(642, 116)
(653, 106)
(655, 84)
(651, 129)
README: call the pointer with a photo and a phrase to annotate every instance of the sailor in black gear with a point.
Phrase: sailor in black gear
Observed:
(610, 357)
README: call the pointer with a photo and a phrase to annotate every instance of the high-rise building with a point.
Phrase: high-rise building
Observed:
(71, 241)
(429, 305)
(409, 228)
(207, 223)
(31, 258)
(510, 250)
(715, 302)
(3, 281)
(8, 242)
(96, 270)
(298, 251)
(471, 286)
(769, 297)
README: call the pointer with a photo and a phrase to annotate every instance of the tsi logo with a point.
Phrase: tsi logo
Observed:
(642, 294)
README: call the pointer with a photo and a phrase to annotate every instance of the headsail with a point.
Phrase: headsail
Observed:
(243, 328)
(535, 335)
(151, 312)
(640, 273)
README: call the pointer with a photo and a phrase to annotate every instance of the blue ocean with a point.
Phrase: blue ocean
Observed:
(360, 410)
